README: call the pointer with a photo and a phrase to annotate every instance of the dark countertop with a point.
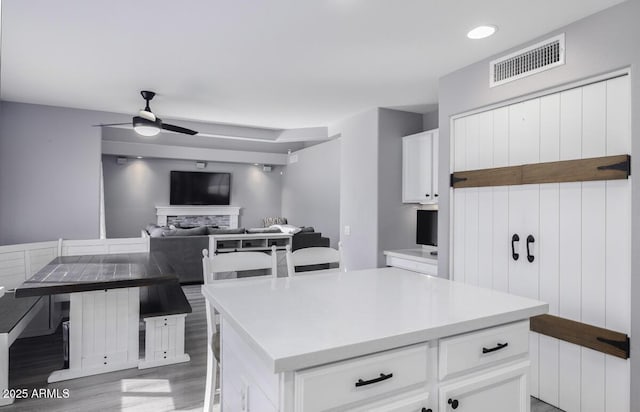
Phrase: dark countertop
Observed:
(68, 274)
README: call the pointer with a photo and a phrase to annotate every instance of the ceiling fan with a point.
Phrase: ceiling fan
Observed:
(147, 124)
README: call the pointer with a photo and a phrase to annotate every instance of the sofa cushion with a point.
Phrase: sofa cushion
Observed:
(215, 231)
(196, 231)
(263, 230)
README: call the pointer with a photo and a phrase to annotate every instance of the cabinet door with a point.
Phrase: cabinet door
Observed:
(404, 403)
(434, 164)
(416, 168)
(501, 390)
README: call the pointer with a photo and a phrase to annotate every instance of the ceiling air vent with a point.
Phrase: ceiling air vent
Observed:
(534, 59)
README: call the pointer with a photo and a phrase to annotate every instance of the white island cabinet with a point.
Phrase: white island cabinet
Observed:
(371, 340)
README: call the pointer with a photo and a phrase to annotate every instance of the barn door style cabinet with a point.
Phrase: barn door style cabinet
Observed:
(420, 167)
(541, 207)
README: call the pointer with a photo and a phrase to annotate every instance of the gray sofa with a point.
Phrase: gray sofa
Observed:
(183, 247)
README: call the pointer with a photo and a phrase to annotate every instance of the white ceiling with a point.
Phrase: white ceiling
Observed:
(276, 63)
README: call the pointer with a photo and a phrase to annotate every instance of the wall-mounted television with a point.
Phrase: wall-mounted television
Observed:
(200, 188)
(427, 227)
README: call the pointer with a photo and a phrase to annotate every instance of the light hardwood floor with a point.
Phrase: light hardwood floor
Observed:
(170, 388)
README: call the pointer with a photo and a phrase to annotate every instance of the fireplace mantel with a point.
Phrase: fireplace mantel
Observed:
(186, 210)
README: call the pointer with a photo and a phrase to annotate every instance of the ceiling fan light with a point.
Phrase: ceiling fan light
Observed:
(146, 130)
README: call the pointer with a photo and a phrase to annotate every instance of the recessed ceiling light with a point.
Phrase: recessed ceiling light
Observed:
(139, 157)
(481, 32)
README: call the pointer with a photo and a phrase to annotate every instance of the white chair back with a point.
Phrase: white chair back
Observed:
(313, 256)
(211, 266)
(237, 261)
(1, 291)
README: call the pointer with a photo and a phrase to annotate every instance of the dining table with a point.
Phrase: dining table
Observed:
(104, 308)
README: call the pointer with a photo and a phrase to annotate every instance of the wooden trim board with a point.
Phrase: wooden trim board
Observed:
(579, 170)
(602, 340)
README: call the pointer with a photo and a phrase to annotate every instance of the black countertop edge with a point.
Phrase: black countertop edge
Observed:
(54, 288)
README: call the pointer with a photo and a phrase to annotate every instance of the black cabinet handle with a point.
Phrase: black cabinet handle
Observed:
(530, 239)
(454, 403)
(426, 194)
(495, 348)
(436, 195)
(426, 410)
(515, 238)
(381, 378)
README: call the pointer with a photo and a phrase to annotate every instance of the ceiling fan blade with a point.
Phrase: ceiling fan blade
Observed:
(110, 124)
(178, 129)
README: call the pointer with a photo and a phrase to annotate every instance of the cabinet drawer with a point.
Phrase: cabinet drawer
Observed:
(482, 348)
(412, 265)
(334, 385)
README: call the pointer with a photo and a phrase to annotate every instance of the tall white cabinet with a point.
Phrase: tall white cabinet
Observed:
(420, 167)
(564, 243)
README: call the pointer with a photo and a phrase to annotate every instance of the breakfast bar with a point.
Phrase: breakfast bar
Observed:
(378, 339)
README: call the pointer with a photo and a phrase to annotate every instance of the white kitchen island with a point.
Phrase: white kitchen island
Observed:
(372, 340)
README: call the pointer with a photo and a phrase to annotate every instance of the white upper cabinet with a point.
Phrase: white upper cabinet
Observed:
(420, 167)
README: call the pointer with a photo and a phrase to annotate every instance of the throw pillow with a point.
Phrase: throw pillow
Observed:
(288, 229)
(157, 231)
(270, 221)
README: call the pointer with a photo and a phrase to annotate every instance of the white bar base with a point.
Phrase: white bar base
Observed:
(66, 374)
(103, 334)
(164, 341)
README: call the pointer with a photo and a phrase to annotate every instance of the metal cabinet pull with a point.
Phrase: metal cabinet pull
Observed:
(381, 378)
(453, 402)
(515, 238)
(495, 348)
(530, 239)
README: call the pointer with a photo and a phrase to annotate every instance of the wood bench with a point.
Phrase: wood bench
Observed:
(15, 315)
(164, 309)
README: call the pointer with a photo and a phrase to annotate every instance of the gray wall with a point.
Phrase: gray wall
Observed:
(430, 120)
(371, 185)
(595, 45)
(359, 188)
(396, 220)
(311, 189)
(133, 190)
(49, 173)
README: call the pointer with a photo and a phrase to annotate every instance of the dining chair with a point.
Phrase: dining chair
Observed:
(211, 267)
(314, 256)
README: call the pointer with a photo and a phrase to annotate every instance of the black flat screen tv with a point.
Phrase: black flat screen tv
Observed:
(427, 228)
(200, 188)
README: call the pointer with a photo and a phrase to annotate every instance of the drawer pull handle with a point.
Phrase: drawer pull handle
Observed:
(497, 347)
(454, 403)
(381, 378)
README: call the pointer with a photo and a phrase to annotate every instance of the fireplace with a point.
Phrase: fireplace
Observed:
(222, 216)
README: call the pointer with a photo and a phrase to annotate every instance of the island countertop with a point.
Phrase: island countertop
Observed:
(309, 320)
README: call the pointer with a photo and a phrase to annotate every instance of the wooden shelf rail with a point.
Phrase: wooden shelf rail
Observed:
(580, 170)
(602, 340)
